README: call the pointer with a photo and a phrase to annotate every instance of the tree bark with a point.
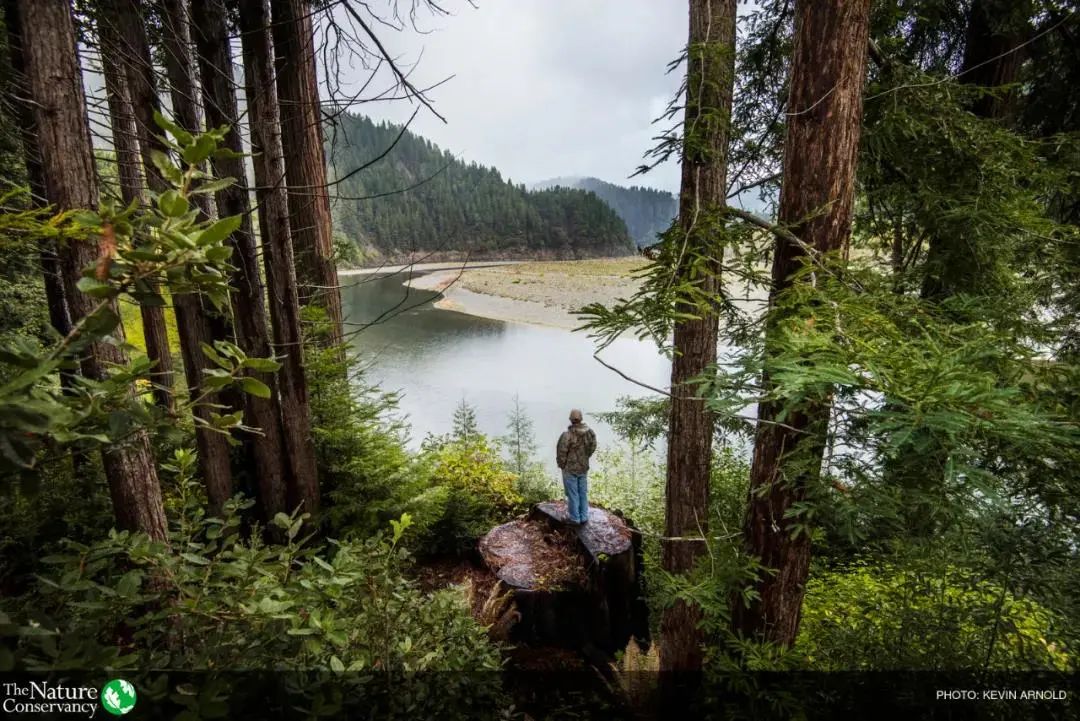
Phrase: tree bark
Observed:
(193, 321)
(710, 76)
(180, 71)
(132, 100)
(56, 91)
(824, 123)
(59, 316)
(249, 314)
(305, 160)
(994, 52)
(277, 246)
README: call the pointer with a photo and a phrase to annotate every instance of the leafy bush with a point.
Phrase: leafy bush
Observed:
(916, 617)
(35, 515)
(463, 490)
(632, 482)
(214, 599)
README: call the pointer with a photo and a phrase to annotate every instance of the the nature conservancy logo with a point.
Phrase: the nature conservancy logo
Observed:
(51, 697)
(118, 697)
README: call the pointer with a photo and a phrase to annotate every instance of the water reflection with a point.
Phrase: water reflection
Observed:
(436, 357)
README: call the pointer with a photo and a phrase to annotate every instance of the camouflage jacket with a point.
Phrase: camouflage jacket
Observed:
(576, 444)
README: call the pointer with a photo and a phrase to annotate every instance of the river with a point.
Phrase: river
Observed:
(435, 358)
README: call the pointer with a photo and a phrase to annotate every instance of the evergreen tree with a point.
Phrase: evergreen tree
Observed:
(695, 246)
(817, 202)
(419, 200)
(465, 428)
(647, 212)
(133, 100)
(294, 39)
(520, 440)
(197, 323)
(294, 458)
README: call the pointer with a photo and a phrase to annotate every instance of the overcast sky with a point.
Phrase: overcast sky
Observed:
(545, 88)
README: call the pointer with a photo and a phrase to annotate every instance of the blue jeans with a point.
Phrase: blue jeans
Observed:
(577, 495)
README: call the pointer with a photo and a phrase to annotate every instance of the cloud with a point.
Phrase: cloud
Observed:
(542, 88)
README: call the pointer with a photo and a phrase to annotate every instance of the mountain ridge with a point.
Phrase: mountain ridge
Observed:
(420, 201)
(646, 211)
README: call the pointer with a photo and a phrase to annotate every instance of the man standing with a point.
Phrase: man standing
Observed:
(576, 445)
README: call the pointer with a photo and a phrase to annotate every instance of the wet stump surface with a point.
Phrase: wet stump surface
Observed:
(574, 586)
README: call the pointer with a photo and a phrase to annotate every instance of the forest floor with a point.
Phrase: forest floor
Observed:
(542, 292)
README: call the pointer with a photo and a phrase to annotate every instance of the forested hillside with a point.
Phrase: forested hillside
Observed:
(419, 200)
(646, 211)
(846, 475)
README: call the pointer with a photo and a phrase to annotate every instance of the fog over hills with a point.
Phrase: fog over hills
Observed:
(645, 211)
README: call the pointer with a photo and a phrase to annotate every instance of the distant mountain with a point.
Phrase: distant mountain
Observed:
(645, 211)
(420, 201)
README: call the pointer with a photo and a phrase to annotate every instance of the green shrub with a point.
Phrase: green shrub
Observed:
(914, 617)
(535, 484)
(462, 490)
(35, 515)
(632, 482)
(364, 470)
(214, 599)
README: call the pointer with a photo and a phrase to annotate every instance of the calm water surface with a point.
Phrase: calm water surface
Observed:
(435, 358)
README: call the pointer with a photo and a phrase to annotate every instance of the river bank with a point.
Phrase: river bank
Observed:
(546, 293)
(538, 292)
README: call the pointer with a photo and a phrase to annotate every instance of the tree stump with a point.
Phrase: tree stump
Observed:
(574, 586)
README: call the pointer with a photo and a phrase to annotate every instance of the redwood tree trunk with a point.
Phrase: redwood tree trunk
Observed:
(710, 75)
(278, 254)
(305, 160)
(994, 51)
(132, 99)
(249, 314)
(180, 70)
(193, 322)
(59, 316)
(824, 122)
(56, 90)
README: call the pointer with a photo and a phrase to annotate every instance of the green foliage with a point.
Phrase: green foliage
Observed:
(938, 175)
(141, 248)
(874, 615)
(131, 319)
(419, 199)
(631, 481)
(215, 599)
(38, 512)
(23, 312)
(347, 254)
(533, 481)
(364, 470)
(462, 489)
(465, 427)
(639, 421)
(646, 211)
